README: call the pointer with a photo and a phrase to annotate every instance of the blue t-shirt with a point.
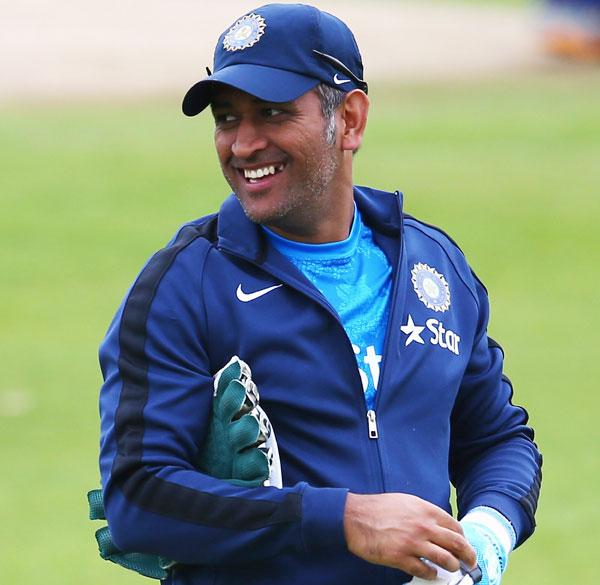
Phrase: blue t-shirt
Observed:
(355, 276)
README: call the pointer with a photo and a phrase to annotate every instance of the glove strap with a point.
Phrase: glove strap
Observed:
(496, 524)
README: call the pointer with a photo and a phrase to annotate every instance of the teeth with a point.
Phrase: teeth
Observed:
(259, 173)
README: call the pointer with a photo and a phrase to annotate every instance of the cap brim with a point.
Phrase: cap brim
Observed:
(265, 83)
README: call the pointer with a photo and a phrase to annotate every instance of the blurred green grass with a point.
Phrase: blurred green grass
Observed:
(508, 167)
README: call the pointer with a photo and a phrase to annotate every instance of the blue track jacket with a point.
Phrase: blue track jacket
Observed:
(443, 407)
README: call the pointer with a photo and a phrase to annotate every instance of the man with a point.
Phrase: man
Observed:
(305, 277)
(571, 29)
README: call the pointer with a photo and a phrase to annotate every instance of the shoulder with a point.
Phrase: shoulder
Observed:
(428, 243)
(192, 239)
(179, 264)
(431, 231)
(203, 231)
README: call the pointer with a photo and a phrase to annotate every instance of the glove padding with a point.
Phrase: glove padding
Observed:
(492, 537)
(240, 447)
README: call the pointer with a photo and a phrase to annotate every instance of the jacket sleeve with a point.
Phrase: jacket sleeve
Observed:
(493, 459)
(155, 404)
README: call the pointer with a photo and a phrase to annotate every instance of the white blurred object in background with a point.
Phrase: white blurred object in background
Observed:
(67, 49)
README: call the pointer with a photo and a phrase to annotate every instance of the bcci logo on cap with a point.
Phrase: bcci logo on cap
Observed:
(244, 33)
(431, 287)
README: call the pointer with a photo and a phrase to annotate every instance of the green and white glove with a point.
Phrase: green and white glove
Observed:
(240, 447)
(147, 565)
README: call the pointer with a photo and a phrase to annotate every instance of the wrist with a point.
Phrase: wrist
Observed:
(495, 524)
(493, 538)
(356, 515)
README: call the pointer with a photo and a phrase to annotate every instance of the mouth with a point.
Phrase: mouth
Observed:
(261, 174)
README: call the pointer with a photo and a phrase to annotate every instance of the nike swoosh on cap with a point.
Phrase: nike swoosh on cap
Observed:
(247, 297)
(339, 81)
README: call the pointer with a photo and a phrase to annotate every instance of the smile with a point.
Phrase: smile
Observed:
(254, 175)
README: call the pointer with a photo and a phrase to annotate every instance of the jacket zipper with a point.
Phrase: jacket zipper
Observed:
(373, 432)
(371, 414)
(372, 422)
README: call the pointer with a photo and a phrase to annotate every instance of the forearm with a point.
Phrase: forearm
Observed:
(195, 519)
(493, 458)
(158, 502)
(505, 477)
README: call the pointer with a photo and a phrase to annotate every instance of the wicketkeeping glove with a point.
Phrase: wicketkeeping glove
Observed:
(147, 565)
(240, 447)
(493, 538)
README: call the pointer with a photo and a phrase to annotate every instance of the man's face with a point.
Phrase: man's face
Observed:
(276, 158)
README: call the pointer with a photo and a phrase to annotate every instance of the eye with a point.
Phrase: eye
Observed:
(273, 112)
(224, 118)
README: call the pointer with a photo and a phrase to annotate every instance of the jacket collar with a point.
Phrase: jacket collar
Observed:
(381, 211)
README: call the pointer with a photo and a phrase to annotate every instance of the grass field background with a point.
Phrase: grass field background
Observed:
(510, 168)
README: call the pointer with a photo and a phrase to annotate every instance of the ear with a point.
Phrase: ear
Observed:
(354, 112)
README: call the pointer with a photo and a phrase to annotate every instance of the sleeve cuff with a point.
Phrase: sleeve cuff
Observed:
(323, 518)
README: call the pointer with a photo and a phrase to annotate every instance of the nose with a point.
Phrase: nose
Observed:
(248, 139)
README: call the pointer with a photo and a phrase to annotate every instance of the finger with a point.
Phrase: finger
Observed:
(236, 370)
(231, 371)
(446, 520)
(418, 568)
(245, 433)
(469, 558)
(228, 403)
(455, 544)
(442, 558)
(251, 465)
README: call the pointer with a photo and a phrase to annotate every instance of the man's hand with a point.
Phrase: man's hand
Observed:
(399, 530)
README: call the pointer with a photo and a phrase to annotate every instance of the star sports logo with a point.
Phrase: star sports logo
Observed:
(440, 336)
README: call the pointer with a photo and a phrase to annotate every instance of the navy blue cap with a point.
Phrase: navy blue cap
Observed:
(278, 52)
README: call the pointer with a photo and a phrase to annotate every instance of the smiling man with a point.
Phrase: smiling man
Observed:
(282, 167)
(364, 330)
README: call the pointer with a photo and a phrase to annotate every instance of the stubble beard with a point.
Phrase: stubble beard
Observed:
(308, 202)
(305, 202)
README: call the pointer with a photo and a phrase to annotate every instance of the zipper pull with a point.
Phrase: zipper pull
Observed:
(372, 420)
